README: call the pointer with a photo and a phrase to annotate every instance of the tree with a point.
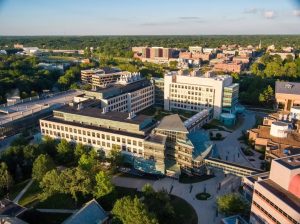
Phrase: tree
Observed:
(88, 161)
(41, 166)
(267, 96)
(158, 203)
(48, 145)
(231, 204)
(51, 184)
(131, 210)
(73, 181)
(116, 158)
(65, 151)
(6, 179)
(81, 149)
(103, 185)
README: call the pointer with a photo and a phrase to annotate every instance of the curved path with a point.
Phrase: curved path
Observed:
(206, 210)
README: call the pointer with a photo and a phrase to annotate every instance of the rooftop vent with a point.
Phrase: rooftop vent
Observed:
(288, 86)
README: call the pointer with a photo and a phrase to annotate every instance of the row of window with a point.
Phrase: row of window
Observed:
(202, 99)
(89, 141)
(92, 134)
(275, 206)
(197, 88)
(265, 212)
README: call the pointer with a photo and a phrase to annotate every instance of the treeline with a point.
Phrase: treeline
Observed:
(120, 46)
(273, 66)
(23, 73)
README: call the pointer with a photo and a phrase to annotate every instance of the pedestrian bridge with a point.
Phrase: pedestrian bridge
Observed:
(229, 167)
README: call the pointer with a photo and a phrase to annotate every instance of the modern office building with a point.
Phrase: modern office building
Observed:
(129, 93)
(98, 78)
(147, 146)
(276, 197)
(287, 95)
(195, 92)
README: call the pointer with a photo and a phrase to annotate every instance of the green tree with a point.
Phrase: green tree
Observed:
(115, 158)
(51, 184)
(88, 161)
(41, 166)
(6, 179)
(267, 96)
(131, 210)
(48, 145)
(64, 151)
(273, 69)
(103, 185)
(290, 69)
(231, 204)
(81, 149)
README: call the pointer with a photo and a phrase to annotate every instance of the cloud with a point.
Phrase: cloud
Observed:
(296, 12)
(269, 14)
(251, 11)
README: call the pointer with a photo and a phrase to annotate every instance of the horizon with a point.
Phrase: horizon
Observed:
(148, 18)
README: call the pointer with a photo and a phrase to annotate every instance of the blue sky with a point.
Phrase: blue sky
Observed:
(148, 17)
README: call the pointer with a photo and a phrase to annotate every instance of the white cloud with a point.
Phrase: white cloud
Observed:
(269, 14)
(251, 10)
(296, 12)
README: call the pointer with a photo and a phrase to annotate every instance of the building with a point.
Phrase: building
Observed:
(195, 92)
(158, 91)
(100, 77)
(276, 197)
(279, 135)
(130, 93)
(287, 95)
(91, 212)
(147, 146)
(229, 67)
(284, 55)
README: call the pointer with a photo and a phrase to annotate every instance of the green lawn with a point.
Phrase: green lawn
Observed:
(17, 188)
(184, 212)
(33, 216)
(31, 195)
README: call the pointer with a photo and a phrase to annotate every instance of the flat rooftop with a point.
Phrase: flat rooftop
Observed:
(157, 138)
(264, 132)
(93, 127)
(291, 162)
(111, 115)
(287, 88)
(20, 110)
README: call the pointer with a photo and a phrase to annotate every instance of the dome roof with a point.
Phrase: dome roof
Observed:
(294, 186)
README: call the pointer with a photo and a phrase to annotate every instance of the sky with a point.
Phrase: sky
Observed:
(149, 17)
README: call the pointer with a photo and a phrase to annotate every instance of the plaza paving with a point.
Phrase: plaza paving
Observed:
(206, 210)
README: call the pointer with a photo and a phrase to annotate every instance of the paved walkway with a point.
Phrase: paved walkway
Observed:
(57, 210)
(229, 148)
(206, 210)
(20, 195)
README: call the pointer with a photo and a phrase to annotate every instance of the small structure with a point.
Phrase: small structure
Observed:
(91, 212)
(228, 119)
(235, 219)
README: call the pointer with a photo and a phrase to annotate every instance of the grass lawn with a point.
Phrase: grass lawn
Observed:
(17, 188)
(186, 179)
(31, 195)
(184, 212)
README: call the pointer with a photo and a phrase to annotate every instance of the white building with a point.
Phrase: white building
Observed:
(194, 92)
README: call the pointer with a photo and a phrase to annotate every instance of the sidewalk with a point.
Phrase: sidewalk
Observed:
(20, 195)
